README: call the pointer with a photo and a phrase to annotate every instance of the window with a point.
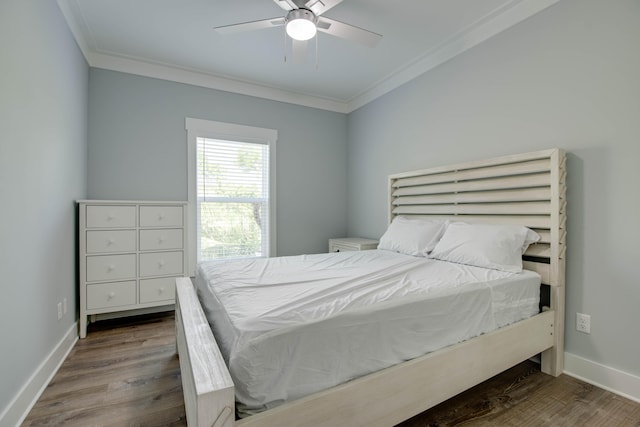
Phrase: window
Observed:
(232, 201)
(231, 191)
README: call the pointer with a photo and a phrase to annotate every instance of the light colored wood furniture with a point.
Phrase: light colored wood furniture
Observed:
(527, 189)
(352, 244)
(130, 253)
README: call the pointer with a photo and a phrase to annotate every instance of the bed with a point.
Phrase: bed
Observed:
(520, 190)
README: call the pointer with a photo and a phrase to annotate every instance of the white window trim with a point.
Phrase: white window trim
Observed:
(198, 128)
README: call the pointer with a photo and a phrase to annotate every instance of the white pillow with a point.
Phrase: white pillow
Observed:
(415, 237)
(499, 247)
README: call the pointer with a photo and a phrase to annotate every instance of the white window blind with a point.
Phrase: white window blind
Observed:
(232, 199)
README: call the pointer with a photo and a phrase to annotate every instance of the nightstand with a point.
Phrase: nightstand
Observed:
(351, 244)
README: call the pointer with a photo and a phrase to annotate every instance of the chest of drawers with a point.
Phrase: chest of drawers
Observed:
(130, 253)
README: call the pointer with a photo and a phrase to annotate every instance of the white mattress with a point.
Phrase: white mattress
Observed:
(291, 326)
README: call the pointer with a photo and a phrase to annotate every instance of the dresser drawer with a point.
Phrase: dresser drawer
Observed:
(105, 241)
(104, 295)
(111, 267)
(162, 289)
(161, 216)
(170, 238)
(161, 264)
(111, 216)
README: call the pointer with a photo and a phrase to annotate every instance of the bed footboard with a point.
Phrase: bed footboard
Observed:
(395, 394)
(381, 399)
(207, 386)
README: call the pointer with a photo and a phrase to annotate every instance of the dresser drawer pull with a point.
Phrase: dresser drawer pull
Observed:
(160, 216)
(111, 295)
(110, 216)
(161, 239)
(161, 263)
(111, 241)
(160, 291)
(111, 268)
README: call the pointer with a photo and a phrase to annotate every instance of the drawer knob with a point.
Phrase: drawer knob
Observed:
(111, 295)
(111, 267)
(111, 241)
(161, 263)
(160, 216)
(110, 216)
(160, 291)
(161, 239)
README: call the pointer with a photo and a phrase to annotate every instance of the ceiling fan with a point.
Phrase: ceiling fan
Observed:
(302, 22)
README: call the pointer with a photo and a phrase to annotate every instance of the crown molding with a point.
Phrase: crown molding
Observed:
(137, 66)
(493, 23)
(210, 81)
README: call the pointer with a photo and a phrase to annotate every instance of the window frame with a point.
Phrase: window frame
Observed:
(198, 128)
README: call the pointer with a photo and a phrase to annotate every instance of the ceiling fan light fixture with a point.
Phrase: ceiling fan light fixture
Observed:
(301, 24)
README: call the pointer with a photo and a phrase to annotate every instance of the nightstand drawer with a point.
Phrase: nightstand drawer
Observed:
(351, 244)
(105, 241)
(161, 264)
(152, 290)
(161, 216)
(161, 239)
(111, 267)
(111, 216)
(337, 247)
(116, 294)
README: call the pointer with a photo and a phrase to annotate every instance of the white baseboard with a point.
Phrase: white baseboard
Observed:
(611, 379)
(28, 395)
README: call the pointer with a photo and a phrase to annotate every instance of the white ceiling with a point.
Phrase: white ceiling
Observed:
(175, 40)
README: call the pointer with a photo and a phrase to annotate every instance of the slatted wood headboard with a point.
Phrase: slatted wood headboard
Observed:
(527, 189)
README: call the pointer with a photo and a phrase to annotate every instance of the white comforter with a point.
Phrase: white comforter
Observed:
(292, 326)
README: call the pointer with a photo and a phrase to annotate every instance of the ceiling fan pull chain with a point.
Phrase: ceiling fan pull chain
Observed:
(285, 45)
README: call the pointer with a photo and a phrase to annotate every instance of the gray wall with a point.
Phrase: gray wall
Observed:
(138, 150)
(43, 122)
(567, 77)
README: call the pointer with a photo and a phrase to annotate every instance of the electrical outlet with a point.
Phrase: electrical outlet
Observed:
(59, 310)
(583, 323)
(64, 306)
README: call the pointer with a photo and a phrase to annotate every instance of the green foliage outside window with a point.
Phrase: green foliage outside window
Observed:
(229, 230)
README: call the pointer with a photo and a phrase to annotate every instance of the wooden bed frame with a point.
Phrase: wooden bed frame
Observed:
(527, 189)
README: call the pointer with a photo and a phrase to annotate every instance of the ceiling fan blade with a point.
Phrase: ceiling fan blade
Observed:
(348, 32)
(249, 26)
(298, 51)
(321, 6)
(286, 4)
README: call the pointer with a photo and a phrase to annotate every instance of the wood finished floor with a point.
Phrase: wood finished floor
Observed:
(126, 373)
